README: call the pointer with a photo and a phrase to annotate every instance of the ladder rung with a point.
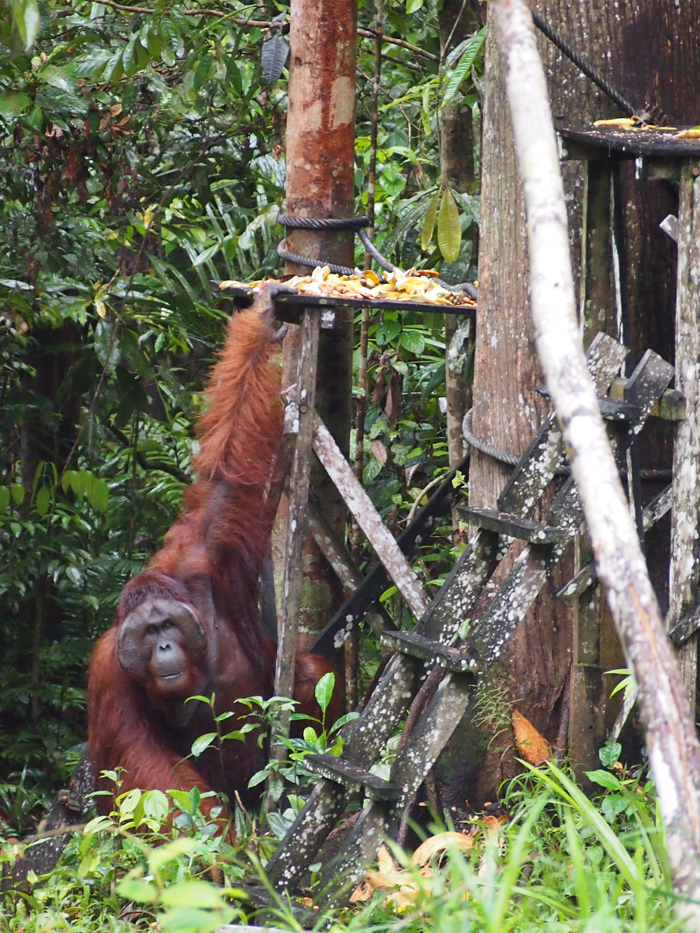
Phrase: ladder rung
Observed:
(686, 627)
(350, 775)
(577, 585)
(427, 649)
(514, 527)
(612, 410)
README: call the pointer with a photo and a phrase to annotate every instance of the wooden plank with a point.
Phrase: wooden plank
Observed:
(545, 453)
(511, 526)
(347, 573)
(670, 407)
(658, 507)
(288, 305)
(430, 651)
(425, 743)
(508, 607)
(684, 571)
(686, 627)
(653, 512)
(362, 508)
(631, 143)
(354, 608)
(588, 693)
(347, 773)
(430, 735)
(642, 388)
(597, 297)
(452, 605)
(347, 869)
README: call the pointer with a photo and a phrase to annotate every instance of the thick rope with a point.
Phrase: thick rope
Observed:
(323, 223)
(313, 263)
(590, 72)
(511, 460)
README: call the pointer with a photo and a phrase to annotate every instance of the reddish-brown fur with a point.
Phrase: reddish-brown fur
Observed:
(221, 540)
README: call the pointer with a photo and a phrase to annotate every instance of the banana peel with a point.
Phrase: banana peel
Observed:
(634, 123)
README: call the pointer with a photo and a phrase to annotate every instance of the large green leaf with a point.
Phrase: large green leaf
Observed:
(114, 68)
(92, 64)
(43, 500)
(413, 341)
(429, 222)
(201, 72)
(26, 16)
(472, 49)
(99, 495)
(106, 345)
(448, 230)
(324, 690)
(129, 60)
(13, 103)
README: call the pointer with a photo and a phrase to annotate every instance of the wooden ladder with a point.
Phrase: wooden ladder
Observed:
(432, 642)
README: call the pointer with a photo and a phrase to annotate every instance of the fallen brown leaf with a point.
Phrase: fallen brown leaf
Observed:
(402, 886)
(530, 743)
(441, 843)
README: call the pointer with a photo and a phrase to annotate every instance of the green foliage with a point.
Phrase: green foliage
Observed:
(316, 739)
(136, 166)
(140, 160)
(560, 860)
(164, 872)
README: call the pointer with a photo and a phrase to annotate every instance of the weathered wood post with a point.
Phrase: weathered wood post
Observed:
(684, 574)
(588, 689)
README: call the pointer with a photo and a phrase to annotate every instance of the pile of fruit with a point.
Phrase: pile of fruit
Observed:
(413, 285)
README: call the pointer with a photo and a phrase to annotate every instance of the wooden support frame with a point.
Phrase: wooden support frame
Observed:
(368, 519)
(453, 605)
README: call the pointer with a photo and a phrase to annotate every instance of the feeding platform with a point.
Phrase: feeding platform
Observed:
(657, 145)
(399, 291)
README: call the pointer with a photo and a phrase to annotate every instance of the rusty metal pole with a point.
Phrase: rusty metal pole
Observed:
(320, 152)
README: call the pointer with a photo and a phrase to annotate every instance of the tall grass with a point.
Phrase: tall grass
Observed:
(563, 861)
(560, 860)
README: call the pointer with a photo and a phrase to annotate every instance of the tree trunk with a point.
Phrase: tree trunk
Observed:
(646, 49)
(456, 22)
(320, 151)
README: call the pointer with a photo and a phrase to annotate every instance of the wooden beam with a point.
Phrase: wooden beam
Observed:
(670, 407)
(345, 570)
(369, 521)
